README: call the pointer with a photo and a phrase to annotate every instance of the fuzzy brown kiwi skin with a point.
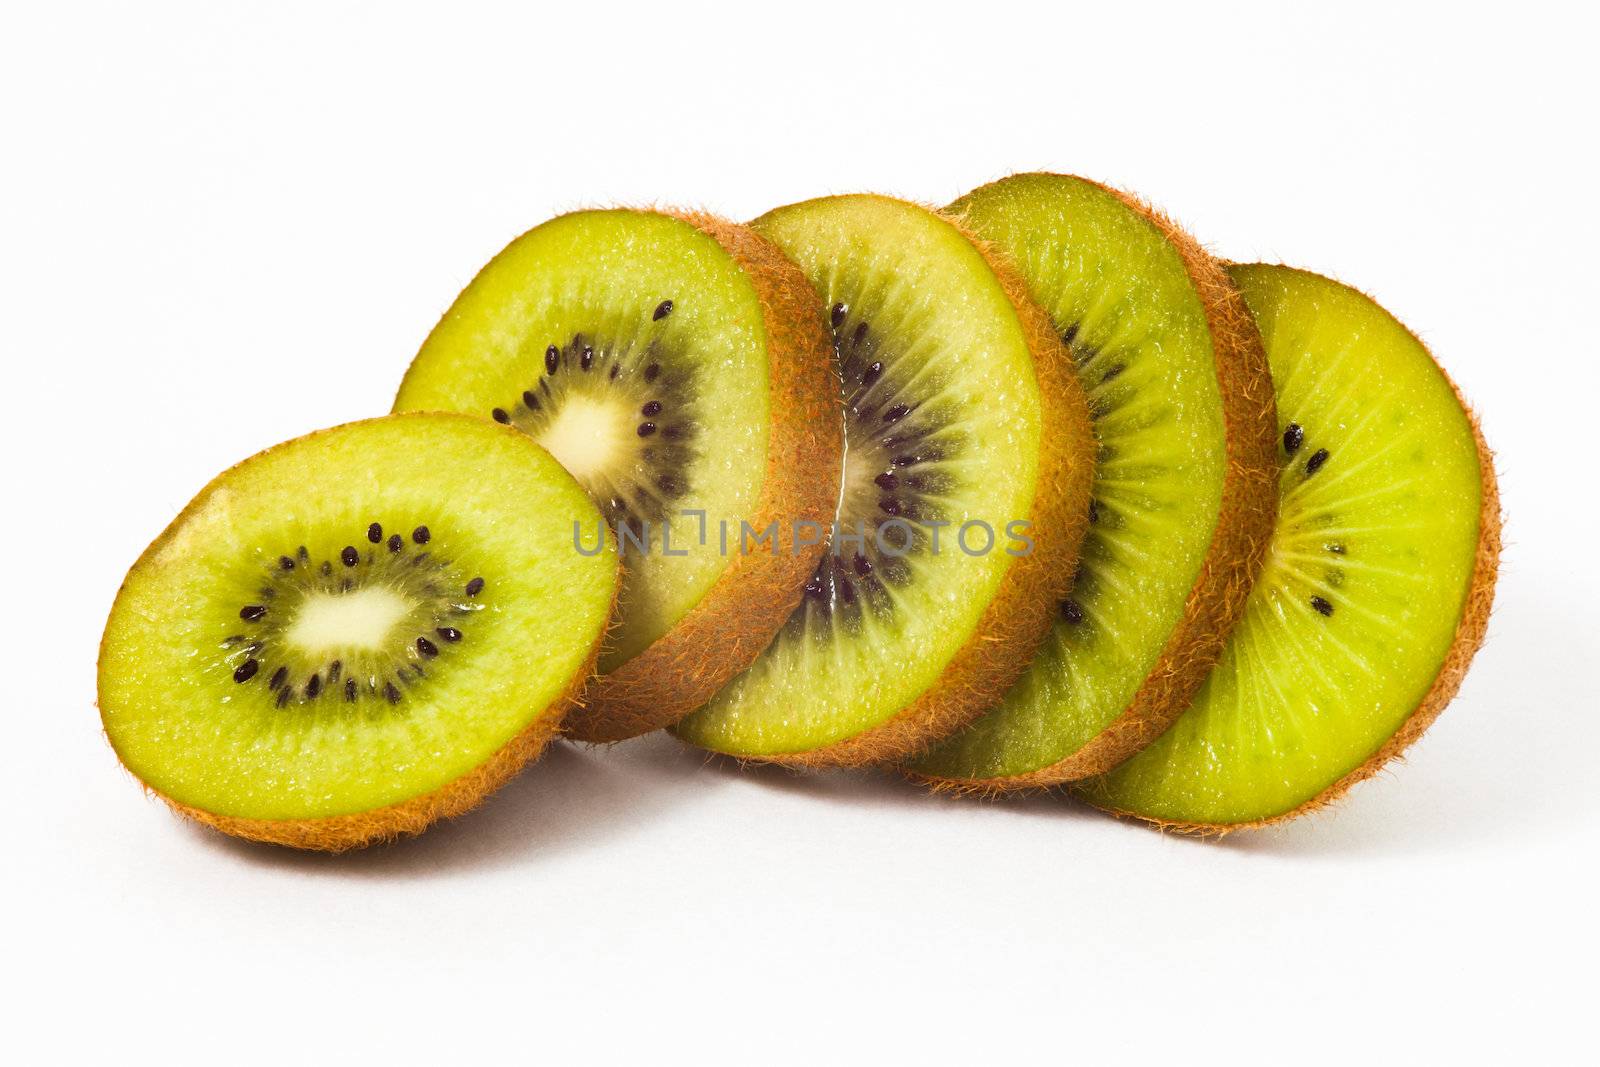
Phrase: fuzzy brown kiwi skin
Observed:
(340, 833)
(742, 612)
(1019, 617)
(1469, 635)
(1245, 521)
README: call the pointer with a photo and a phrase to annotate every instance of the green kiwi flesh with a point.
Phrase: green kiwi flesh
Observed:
(631, 345)
(352, 621)
(943, 423)
(1137, 317)
(1376, 586)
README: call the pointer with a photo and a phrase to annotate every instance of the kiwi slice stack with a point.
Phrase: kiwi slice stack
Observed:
(1023, 492)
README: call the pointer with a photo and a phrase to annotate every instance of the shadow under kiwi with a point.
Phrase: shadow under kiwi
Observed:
(571, 799)
(887, 788)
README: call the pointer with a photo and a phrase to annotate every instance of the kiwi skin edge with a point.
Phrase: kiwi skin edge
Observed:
(743, 610)
(340, 833)
(1019, 617)
(1469, 636)
(1245, 521)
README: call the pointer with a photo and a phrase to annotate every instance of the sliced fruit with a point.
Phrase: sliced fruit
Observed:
(1376, 588)
(677, 365)
(1185, 491)
(356, 633)
(967, 442)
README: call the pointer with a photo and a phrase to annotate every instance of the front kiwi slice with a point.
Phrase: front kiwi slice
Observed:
(678, 366)
(1185, 491)
(1377, 584)
(964, 500)
(355, 633)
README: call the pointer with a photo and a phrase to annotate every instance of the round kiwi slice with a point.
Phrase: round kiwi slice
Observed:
(1185, 491)
(964, 500)
(1377, 584)
(678, 366)
(355, 633)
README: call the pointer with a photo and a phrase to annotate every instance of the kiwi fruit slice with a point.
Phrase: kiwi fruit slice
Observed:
(353, 634)
(678, 366)
(1185, 490)
(1376, 587)
(962, 420)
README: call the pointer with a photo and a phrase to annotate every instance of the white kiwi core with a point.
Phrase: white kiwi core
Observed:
(327, 623)
(588, 435)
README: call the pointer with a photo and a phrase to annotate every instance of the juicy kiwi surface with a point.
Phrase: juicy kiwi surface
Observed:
(354, 633)
(961, 416)
(678, 366)
(1376, 587)
(1184, 491)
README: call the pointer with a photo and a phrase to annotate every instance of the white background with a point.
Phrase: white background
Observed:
(224, 227)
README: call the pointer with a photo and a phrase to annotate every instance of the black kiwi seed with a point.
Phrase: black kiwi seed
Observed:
(475, 587)
(890, 506)
(859, 335)
(663, 309)
(1318, 458)
(886, 480)
(863, 565)
(646, 429)
(652, 372)
(1336, 547)
(899, 411)
(1069, 335)
(616, 369)
(314, 687)
(395, 542)
(530, 400)
(349, 556)
(252, 612)
(283, 696)
(420, 535)
(390, 693)
(552, 356)
(449, 633)
(327, 568)
(651, 409)
(302, 554)
(334, 670)
(1293, 437)
(427, 648)
(285, 563)
(1323, 606)
(279, 676)
(836, 315)
(1072, 611)
(246, 670)
(1112, 371)
(873, 372)
(350, 690)
(375, 533)
(500, 416)
(586, 360)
